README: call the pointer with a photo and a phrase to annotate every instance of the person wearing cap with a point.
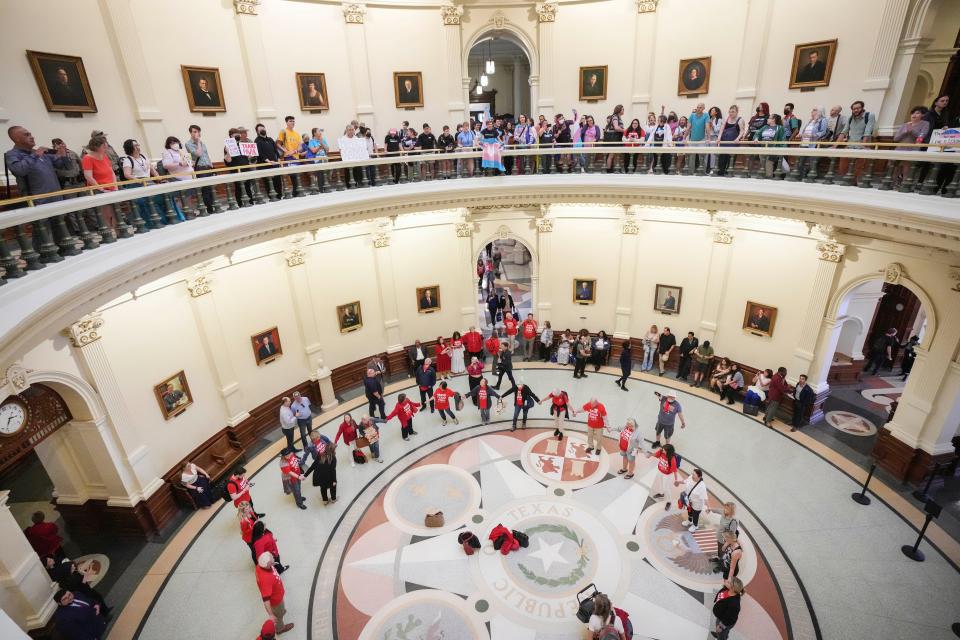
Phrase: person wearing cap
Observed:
(271, 591)
(304, 415)
(669, 411)
(110, 151)
(239, 160)
(268, 631)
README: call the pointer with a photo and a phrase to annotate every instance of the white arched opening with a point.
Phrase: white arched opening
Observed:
(851, 338)
(512, 89)
(517, 274)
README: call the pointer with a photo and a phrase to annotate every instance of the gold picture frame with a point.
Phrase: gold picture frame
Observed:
(266, 346)
(807, 72)
(315, 99)
(173, 395)
(759, 319)
(428, 299)
(593, 82)
(694, 77)
(349, 317)
(203, 88)
(664, 299)
(584, 291)
(408, 96)
(63, 82)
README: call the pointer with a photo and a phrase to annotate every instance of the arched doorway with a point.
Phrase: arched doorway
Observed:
(508, 268)
(507, 90)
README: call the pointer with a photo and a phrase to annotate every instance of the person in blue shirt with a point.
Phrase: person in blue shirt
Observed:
(315, 148)
(697, 134)
(466, 140)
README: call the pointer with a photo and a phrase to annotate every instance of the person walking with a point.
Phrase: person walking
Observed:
(626, 364)
(505, 367)
(404, 412)
(483, 396)
(492, 345)
(525, 399)
(288, 420)
(775, 392)
(373, 388)
(694, 497)
(666, 465)
(668, 412)
(442, 397)
(630, 442)
(324, 470)
(474, 375)
(292, 471)
(650, 342)
(304, 415)
(881, 350)
(272, 591)
(426, 379)
(596, 422)
(726, 608)
(559, 409)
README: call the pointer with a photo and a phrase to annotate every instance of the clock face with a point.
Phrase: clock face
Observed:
(13, 417)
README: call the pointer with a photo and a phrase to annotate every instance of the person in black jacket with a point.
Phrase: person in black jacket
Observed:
(525, 399)
(77, 618)
(267, 154)
(626, 364)
(373, 389)
(726, 608)
(687, 346)
(505, 366)
(426, 377)
(803, 397)
(324, 469)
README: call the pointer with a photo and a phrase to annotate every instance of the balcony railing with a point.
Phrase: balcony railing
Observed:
(36, 232)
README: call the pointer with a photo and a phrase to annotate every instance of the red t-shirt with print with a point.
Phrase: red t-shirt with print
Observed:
(595, 415)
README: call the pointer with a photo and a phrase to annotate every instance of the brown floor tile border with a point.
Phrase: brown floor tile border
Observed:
(129, 620)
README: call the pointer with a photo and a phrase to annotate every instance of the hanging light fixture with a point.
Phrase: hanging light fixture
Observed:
(491, 65)
(484, 80)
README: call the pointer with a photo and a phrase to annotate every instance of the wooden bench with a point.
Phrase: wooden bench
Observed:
(217, 456)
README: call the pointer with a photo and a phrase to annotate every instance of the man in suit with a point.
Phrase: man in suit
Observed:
(350, 317)
(760, 321)
(204, 96)
(427, 301)
(78, 618)
(592, 87)
(172, 397)
(267, 348)
(64, 91)
(417, 355)
(814, 71)
(585, 292)
(803, 397)
(670, 302)
(409, 92)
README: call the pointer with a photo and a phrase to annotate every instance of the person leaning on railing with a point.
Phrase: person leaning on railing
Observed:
(237, 161)
(811, 134)
(660, 135)
(288, 146)
(612, 133)
(177, 163)
(913, 130)
(200, 158)
(35, 168)
(267, 153)
(70, 174)
(771, 134)
(860, 127)
(731, 131)
(97, 171)
(136, 166)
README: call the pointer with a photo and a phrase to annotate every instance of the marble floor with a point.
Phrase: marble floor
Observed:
(817, 565)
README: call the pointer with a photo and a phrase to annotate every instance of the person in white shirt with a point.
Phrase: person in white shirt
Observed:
(695, 490)
(352, 148)
(288, 422)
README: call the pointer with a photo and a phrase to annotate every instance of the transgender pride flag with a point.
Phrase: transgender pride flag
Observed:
(492, 158)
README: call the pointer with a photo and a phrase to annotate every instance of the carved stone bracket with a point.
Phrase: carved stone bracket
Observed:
(498, 19)
(450, 14)
(353, 12)
(464, 229)
(831, 251)
(723, 235)
(199, 285)
(955, 276)
(85, 330)
(647, 6)
(246, 7)
(547, 11)
(894, 273)
(544, 225)
(14, 379)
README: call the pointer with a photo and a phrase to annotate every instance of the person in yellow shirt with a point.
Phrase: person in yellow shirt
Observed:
(288, 145)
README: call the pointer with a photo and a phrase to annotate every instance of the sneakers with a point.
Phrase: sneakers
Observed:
(455, 421)
(443, 423)
(414, 433)
(353, 463)
(692, 528)
(380, 460)
(685, 523)
(406, 438)
(655, 445)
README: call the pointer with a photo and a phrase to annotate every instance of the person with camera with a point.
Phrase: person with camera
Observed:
(720, 374)
(669, 411)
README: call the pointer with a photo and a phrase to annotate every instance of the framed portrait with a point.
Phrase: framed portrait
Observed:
(349, 317)
(312, 90)
(408, 89)
(266, 346)
(428, 299)
(204, 91)
(63, 82)
(593, 83)
(759, 319)
(694, 77)
(667, 298)
(812, 64)
(173, 395)
(584, 291)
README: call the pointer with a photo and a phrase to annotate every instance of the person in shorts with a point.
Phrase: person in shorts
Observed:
(630, 443)
(667, 416)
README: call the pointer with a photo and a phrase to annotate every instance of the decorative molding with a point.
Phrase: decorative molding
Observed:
(16, 377)
(894, 273)
(499, 207)
(831, 251)
(246, 7)
(647, 6)
(85, 330)
(381, 240)
(503, 232)
(353, 12)
(631, 227)
(498, 19)
(955, 276)
(450, 14)
(464, 229)
(544, 225)
(295, 256)
(199, 285)
(723, 235)
(547, 11)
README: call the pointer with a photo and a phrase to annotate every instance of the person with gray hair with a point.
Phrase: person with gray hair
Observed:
(272, 591)
(304, 415)
(630, 442)
(288, 420)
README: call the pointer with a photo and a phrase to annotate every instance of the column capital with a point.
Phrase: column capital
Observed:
(547, 11)
(295, 256)
(84, 331)
(450, 14)
(199, 284)
(381, 240)
(630, 226)
(464, 229)
(246, 7)
(353, 12)
(647, 6)
(544, 224)
(831, 251)
(723, 235)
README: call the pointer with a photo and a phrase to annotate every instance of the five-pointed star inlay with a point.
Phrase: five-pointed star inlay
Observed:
(548, 554)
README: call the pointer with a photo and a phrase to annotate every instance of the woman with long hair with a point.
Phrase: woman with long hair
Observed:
(442, 356)
(604, 616)
(247, 518)
(457, 365)
(714, 123)
(666, 466)
(631, 138)
(263, 540)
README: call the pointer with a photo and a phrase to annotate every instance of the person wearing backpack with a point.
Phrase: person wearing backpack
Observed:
(605, 624)
(881, 350)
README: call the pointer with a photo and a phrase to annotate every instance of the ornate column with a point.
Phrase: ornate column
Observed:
(545, 262)
(299, 281)
(877, 83)
(644, 54)
(717, 274)
(753, 53)
(456, 106)
(897, 95)
(534, 82)
(547, 15)
(255, 59)
(359, 65)
(628, 271)
(387, 289)
(57, 457)
(27, 594)
(210, 330)
(518, 85)
(469, 314)
(117, 435)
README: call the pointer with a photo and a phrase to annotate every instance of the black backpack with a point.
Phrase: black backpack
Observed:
(225, 491)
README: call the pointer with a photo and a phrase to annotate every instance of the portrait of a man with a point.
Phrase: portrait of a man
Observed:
(204, 93)
(812, 64)
(667, 299)
(349, 317)
(266, 346)
(408, 88)
(593, 83)
(428, 299)
(694, 76)
(63, 82)
(173, 395)
(759, 319)
(584, 291)
(312, 89)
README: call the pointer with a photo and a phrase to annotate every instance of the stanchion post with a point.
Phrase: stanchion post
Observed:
(914, 553)
(862, 497)
(922, 495)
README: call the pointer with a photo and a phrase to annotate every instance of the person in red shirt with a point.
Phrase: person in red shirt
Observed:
(667, 464)
(263, 540)
(778, 388)
(239, 489)
(473, 342)
(44, 537)
(442, 398)
(404, 412)
(268, 631)
(272, 591)
(347, 429)
(483, 395)
(247, 518)
(493, 348)
(525, 399)
(510, 329)
(474, 374)
(596, 421)
(291, 469)
(559, 408)
(529, 333)
(442, 358)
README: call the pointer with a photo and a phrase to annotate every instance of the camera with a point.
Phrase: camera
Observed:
(658, 394)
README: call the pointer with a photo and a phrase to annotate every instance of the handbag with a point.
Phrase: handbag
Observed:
(522, 538)
(359, 457)
(433, 520)
(362, 441)
(469, 541)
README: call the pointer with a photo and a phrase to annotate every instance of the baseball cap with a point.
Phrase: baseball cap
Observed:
(269, 628)
(96, 132)
(670, 393)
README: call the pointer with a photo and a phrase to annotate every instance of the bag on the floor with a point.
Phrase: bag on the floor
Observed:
(625, 621)
(434, 520)
(522, 538)
(585, 603)
(469, 541)
(359, 457)
(751, 409)
(458, 401)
